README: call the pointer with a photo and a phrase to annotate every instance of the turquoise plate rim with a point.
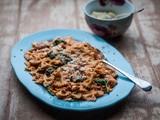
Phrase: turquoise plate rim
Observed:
(120, 92)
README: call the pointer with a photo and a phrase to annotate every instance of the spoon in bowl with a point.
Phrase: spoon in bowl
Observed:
(144, 85)
(126, 14)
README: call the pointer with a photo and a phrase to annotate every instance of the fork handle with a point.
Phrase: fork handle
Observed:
(144, 85)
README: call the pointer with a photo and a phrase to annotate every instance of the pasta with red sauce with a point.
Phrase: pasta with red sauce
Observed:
(69, 69)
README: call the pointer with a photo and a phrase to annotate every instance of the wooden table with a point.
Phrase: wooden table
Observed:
(140, 45)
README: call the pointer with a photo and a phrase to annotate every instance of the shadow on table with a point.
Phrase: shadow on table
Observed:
(101, 114)
(117, 39)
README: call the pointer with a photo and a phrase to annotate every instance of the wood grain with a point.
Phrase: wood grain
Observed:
(8, 27)
(140, 45)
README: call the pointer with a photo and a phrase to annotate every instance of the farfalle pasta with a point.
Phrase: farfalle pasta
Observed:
(69, 69)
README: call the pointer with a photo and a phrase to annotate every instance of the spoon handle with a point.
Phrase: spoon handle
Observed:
(141, 83)
(139, 10)
(125, 14)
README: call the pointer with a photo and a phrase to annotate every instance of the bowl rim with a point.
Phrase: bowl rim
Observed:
(87, 14)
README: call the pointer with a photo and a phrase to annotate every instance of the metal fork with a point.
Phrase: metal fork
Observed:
(144, 85)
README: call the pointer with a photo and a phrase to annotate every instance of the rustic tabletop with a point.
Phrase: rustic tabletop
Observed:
(140, 45)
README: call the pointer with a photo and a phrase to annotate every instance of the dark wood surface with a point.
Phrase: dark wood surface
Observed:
(140, 45)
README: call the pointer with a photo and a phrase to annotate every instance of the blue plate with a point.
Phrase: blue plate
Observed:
(121, 91)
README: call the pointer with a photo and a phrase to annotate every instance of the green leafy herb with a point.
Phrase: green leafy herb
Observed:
(64, 57)
(42, 70)
(51, 55)
(49, 71)
(62, 54)
(58, 41)
(102, 82)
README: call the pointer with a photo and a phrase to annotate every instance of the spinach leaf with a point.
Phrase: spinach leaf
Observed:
(62, 54)
(41, 71)
(49, 71)
(51, 55)
(102, 82)
(58, 41)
